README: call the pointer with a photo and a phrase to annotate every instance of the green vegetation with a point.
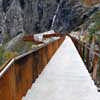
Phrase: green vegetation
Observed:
(10, 48)
(94, 30)
(96, 26)
(5, 55)
(19, 49)
(94, 33)
(6, 37)
(1, 55)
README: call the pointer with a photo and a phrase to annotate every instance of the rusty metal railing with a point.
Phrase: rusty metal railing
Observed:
(90, 58)
(21, 72)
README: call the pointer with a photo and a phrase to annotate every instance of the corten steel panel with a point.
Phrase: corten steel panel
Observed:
(55, 46)
(61, 40)
(7, 85)
(45, 55)
(50, 51)
(43, 52)
(40, 66)
(58, 45)
(38, 61)
(23, 70)
(34, 66)
(19, 77)
(95, 65)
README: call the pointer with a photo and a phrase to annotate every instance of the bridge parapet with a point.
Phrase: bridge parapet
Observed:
(18, 75)
(90, 57)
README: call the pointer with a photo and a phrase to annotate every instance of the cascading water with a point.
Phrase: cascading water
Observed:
(54, 18)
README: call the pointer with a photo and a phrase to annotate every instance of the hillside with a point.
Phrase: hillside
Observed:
(33, 16)
(20, 17)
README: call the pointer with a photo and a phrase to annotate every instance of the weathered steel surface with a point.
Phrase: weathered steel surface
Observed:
(23, 73)
(53, 35)
(7, 85)
(30, 38)
(95, 65)
(18, 78)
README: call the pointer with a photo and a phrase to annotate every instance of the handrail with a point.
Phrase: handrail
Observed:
(92, 62)
(6, 68)
(11, 61)
(3, 66)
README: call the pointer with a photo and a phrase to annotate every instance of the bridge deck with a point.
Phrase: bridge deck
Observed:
(64, 78)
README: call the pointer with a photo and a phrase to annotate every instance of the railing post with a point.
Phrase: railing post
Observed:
(87, 56)
(80, 47)
(95, 65)
(83, 52)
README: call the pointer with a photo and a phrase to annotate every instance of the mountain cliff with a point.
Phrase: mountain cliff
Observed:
(33, 16)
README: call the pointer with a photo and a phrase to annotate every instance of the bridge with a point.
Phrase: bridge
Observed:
(54, 71)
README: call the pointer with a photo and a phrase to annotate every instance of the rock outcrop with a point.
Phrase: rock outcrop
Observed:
(33, 16)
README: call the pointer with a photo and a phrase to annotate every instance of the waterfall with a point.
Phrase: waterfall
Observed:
(54, 18)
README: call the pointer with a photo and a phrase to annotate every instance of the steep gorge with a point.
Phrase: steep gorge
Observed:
(33, 16)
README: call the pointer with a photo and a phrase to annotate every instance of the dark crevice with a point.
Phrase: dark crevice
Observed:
(6, 4)
(22, 3)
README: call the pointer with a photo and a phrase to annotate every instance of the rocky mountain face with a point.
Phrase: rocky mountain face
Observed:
(33, 16)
